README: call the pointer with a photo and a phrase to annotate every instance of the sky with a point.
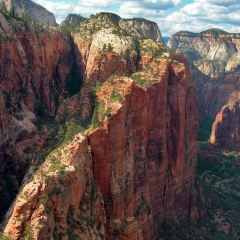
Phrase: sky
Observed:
(170, 15)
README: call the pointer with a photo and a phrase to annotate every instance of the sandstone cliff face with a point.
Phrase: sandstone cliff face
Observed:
(35, 11)
(233, 63)
(62, 200)
(181, 41)
(144, 27)
(33, 62)
(215, 69)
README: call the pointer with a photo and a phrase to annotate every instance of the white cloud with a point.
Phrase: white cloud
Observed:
(202, 15)
(134, 9)
(62, 9)
(96, 3)
(219, 2)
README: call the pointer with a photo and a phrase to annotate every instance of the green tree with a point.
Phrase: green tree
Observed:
(26, 16)
(95, 117)
(28, 232)
(11, 12)
(61, 134)
(127, 55)
(104, 46)
(72, 130)
(110, 47)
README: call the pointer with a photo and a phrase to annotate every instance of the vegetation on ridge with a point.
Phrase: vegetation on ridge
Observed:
(138, 19)
(215, 31)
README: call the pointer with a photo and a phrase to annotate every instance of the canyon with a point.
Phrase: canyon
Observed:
(214, 58)
(102, 122)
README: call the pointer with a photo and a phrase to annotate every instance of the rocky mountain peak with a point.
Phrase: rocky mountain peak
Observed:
(36, 12)
(138, 27)
(72, 20)
(185, 33)
(145, 28)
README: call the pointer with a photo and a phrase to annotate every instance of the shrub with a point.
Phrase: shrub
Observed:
(115, 96)
(56, 191)
(3, 237)
(28, 232)
(43, 198)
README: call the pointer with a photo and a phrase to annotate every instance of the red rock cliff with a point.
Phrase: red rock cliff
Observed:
(144, 157)
(35, 65)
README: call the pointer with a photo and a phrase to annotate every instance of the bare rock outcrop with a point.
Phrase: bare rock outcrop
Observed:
(63, 198)
(233, 63)
(146, 179)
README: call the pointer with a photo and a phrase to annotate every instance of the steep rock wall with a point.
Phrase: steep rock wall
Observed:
(60, 203)
(35, 66)
(145, 155)
(143, 160)
(214, 58)
(72, 20)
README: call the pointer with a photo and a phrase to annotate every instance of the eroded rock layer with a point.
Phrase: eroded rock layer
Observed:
(226, 128)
